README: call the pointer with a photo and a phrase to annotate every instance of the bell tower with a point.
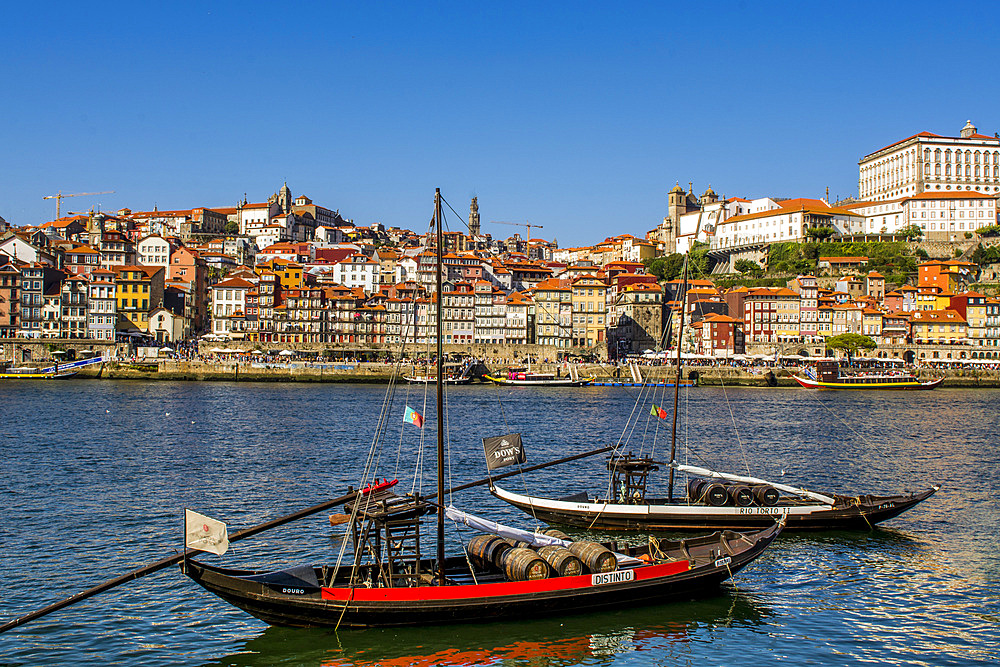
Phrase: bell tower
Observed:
(285, 198)
(474, 217)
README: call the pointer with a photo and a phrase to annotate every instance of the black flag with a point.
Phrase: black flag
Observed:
(503, 450)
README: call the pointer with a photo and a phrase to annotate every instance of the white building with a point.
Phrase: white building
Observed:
(928, 162)
(154, 250)
(166, 326)
(257, 216)
(102, 305)
(948, 216)
(789, 221)
(228, 304)
(358, 271)
(943, 216)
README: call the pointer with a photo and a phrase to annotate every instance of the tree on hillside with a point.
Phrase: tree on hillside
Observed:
(232, 228)
(850, 343)
(698, 260)
(820, 232)
(665, 268)
(749, 266)
(911, 232)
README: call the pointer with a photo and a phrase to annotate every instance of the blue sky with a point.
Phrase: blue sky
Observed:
(576, 116)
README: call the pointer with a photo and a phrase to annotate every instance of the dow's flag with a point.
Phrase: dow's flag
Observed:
(503, 450)
(657, 411)
(205, 533)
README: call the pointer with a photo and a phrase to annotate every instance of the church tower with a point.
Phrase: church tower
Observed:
(474, 217)
(95, 230)
(709, 197)
(285, 198)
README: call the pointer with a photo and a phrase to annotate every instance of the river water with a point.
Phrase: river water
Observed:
(96, 474)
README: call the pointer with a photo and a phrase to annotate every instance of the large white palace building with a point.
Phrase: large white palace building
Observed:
(928, 162)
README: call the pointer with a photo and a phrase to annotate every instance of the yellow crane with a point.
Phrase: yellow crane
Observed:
(524, 224)
(59, 197)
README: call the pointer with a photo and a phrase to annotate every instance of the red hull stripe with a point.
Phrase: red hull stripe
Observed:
(582, 581)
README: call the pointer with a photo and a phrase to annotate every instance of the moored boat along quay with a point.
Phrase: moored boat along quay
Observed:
(378, 372)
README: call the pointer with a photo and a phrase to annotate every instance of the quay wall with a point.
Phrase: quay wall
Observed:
(380, 373)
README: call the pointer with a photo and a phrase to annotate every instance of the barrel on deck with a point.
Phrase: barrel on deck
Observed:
(525, 565)
(708, 492)
(741, 494)
(488, 550)
(518, 544)
(556, 533)
(562, 560)
(594, 556)
(766, 495)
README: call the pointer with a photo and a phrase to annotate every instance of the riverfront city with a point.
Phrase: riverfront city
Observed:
(527, 334)
(912, 264)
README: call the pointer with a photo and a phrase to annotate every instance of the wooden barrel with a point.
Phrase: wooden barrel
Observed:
(741, 494)
(487, 550)
(556, 533)
(525, 565)
(561, 560)
(766, 495)
(518, 544)
(594, 556)
(708, 492)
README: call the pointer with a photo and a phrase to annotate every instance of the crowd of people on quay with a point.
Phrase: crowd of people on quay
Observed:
(192, 351)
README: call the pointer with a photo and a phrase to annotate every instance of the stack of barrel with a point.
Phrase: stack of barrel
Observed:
(520, 561)
(717, 494)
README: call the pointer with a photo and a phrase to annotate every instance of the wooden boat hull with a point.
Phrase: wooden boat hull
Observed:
(433, 380)
(37, 376)
(809, 383)
(279, 600)
(561, 382)
(859, 513)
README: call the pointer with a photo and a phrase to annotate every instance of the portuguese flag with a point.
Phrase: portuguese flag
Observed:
(413, 417)
(657, 411)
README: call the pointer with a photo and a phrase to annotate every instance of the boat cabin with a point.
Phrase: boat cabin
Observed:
(827, 371)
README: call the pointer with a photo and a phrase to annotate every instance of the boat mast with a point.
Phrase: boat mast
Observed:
(677, 385)
(440, 391)
(680, 333)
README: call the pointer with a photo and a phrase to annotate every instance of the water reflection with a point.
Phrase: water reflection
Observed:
(571, 640)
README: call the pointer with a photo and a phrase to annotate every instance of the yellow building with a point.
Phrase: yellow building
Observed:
(788, 305)
(945, 327)
(290, 274)
(824, 321)
(553, 313)
(589, 311)
(138, 290)
(942, 300)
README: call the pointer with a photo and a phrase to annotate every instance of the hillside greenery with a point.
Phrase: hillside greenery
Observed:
(983, 255)
(890, 258)
(671, 267)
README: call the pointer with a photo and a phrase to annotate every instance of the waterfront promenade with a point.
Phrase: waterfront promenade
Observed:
(380, 372)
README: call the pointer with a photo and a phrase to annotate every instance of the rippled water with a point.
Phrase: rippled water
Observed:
(95, 476)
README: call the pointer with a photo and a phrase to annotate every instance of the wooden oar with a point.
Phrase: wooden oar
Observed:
(172, 560)
(539, 466)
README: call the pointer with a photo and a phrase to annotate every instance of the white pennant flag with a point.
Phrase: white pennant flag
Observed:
(205, 533)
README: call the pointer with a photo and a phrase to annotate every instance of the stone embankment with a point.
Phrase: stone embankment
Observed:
(380, 372)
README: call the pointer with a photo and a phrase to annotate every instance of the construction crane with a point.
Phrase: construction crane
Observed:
(59, 197)
(525, 224)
